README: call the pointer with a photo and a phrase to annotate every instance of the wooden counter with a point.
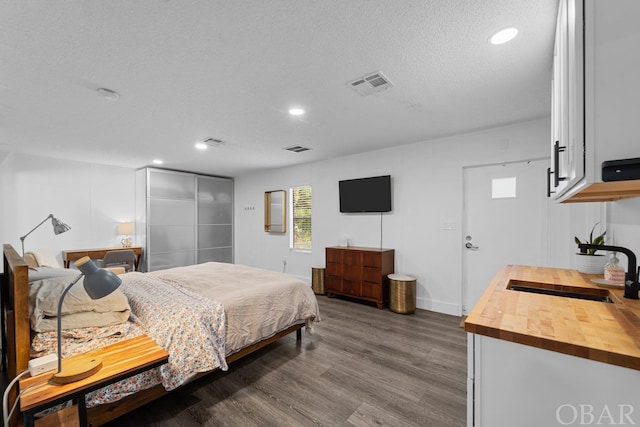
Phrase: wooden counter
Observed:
(594, 330)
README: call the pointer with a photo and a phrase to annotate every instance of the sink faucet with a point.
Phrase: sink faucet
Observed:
(631, 285)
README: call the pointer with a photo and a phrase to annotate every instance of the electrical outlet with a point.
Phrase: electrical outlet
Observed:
(43, 364)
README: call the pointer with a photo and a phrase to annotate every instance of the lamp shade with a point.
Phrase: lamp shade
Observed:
(98, 282)
(59, 227)
(125, 228)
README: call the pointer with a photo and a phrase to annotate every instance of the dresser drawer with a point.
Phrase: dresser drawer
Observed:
(351, 287)
(372, 274)
(372, 290)
(334, 255)
(352, 272)
(352, 258)
(371, 259)
(333, 283)
(333, 269)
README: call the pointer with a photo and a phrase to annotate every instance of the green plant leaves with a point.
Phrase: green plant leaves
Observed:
(598, 240)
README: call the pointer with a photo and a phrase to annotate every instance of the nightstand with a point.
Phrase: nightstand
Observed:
(119, 361)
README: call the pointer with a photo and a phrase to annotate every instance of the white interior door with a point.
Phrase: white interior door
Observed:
(505, 222)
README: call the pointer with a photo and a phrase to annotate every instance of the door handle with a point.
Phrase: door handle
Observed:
(469, 245)
(549, 173)
(557, 149)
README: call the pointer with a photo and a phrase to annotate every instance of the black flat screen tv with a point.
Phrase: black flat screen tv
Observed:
(365, 194)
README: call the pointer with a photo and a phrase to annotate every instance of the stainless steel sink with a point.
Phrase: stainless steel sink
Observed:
(591, 294)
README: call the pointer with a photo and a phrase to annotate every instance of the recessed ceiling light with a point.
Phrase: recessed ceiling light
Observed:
(201, 145)
(296, 111)
(158, 161)
(504, 36)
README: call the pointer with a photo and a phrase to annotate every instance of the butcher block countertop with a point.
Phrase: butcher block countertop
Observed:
(605, 332)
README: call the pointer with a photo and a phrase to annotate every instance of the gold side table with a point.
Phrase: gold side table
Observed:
(402, 293)
(317, 280)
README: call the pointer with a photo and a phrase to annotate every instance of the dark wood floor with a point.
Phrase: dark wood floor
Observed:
(362, 367)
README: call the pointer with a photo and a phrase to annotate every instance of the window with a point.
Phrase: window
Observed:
(300, 236)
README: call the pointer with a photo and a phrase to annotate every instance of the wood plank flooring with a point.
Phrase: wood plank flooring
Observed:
(361, 367)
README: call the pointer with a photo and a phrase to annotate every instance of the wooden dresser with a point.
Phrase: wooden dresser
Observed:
(359, 273)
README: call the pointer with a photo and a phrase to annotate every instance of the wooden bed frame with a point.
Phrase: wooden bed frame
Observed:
(16, 340)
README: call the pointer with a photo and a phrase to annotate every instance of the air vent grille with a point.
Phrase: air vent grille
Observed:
(297, 148)
(370, 84)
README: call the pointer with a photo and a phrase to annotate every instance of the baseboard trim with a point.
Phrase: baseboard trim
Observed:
(438, 306)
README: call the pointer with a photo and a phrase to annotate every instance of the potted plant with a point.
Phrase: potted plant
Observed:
(591, 262)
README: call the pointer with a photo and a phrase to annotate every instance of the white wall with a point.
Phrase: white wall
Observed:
(624, 226)
(427, 185)
(427, 192)
(90, 198)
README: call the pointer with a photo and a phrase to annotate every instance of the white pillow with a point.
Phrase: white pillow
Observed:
(41, 273)
(78, 309)
(45, 258)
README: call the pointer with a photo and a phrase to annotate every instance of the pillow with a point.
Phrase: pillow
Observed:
(44, 258)
(41, 273)
(78, 309)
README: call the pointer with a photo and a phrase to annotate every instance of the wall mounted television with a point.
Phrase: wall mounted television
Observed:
(365, 194)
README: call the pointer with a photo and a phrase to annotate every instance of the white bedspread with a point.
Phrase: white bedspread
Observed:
(257, 303)
(199, 314)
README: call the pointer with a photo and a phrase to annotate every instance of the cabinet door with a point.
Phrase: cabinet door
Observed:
(215, 224)
(171, 219)
(559, 98)
(567, 126)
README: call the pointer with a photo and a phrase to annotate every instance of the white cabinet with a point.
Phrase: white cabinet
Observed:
(567, 116)
(511, 384)
(183, 218)
(595, 97)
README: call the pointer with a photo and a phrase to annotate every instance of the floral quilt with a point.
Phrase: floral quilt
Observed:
(190, 327)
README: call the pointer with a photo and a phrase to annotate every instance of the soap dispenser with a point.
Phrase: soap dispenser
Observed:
(614, 271)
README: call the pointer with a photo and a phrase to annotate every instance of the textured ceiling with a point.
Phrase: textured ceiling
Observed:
(188, 70)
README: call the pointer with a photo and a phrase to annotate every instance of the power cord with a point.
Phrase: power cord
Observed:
(5, 397)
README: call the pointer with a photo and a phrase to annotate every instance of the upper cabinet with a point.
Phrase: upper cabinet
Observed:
(595, 98)
(567, 118)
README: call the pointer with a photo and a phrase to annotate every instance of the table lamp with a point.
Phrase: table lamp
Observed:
(126, 229)
(98, 283)
(59, 227)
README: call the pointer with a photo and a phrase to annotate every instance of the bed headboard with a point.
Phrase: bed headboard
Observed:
(16, 332)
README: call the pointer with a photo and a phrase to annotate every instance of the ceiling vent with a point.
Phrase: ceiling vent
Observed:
(297, 148)
(370, 84)
(212, 142)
